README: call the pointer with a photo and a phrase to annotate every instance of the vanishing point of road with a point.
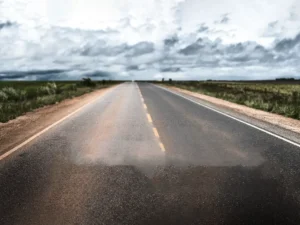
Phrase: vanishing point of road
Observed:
(143, 155)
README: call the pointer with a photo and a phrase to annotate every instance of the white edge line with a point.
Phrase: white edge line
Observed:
(6, 154)
(234, 118)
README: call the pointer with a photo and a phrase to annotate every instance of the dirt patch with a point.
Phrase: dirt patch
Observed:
(278, 120)
(18, 130)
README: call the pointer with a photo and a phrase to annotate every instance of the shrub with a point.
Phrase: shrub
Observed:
(295, 96)
(19, 97)
(11, 93)
(22, 95)
(280, 99)
(88, 82)
(44, 90)
(52, 88)
(31, 92)
(46, 100)
(69, 87)
(49, 89)
(3, 96)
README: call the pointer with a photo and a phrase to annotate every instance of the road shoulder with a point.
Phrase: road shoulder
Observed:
(16, 131)
(277, 124)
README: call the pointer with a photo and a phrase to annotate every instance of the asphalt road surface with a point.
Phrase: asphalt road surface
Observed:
(142, 155)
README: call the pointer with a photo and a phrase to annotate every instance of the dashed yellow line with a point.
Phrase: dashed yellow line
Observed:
(149, 118)
(162, 147)
(155, 132)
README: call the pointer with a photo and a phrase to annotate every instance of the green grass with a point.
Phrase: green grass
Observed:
(277, 97)
(19, 97)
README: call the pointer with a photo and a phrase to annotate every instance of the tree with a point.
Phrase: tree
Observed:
(163, 80)
(88, 82)
(170, 80)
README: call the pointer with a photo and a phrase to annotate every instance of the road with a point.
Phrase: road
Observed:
(142, 155)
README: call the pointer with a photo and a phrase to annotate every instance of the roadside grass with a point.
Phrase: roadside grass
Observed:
(19, 97)
(276, 97)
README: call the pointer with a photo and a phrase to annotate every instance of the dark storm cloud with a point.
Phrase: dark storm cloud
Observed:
(287, 44)
(225, 19)
(132, 68)
(11, 76)
(203, 28)
(51, 77)
(202, 45)
(33, 72)
(170, 69)
(40, 74)
(141, 48)
(6, 24)
(50, 74)
(169, 42)
(43, 72)
(248, 52)
(235, 48)
(193, 48)
(207, 53)
(101, 48)
(98, 74)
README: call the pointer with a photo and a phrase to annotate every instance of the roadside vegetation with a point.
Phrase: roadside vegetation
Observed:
(281, 96)
(19, 97)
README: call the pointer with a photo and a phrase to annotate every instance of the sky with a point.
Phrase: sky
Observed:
(149, 39)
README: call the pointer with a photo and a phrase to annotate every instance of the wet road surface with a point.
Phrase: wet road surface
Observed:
(106, 165)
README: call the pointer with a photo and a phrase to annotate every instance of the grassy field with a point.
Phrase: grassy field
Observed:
(280, 97)
(19, 97)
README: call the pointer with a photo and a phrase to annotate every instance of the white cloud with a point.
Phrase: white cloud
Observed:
(180, 38)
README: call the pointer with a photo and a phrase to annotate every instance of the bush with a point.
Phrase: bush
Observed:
(3, 96)
(68, 87)
(49, 89)
(44, 90)
(52, 87)
(31, 92)
(46, 100)
(22, 95)
(88, 82)
(11, 93)
(19, 97)
(278, 98)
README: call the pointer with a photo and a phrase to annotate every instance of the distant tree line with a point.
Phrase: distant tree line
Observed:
(170, 80)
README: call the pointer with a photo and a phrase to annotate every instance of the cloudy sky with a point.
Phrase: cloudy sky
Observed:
(149, 39)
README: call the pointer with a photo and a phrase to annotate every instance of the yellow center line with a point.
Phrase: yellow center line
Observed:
(162, 147)
(155, 132)
(149, 118)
